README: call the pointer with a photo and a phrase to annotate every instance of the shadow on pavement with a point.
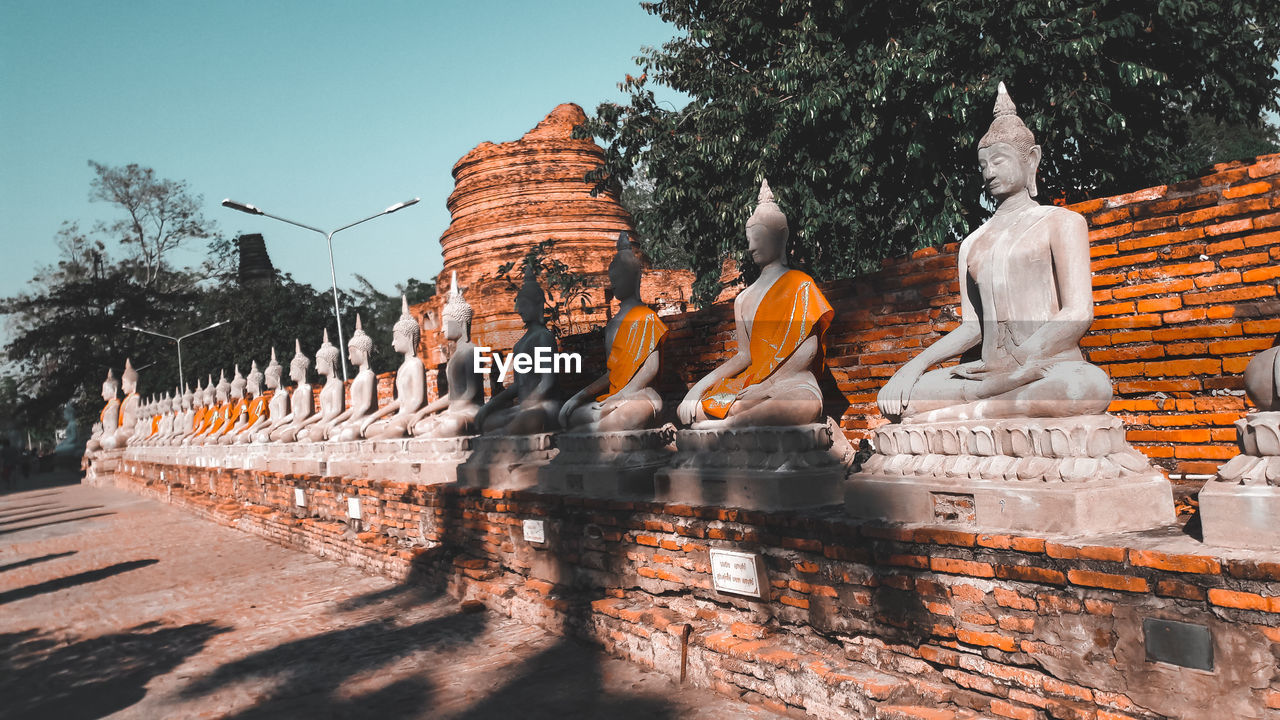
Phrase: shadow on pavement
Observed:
(34, 560)
(8, 510)
(63, 583)
(50, 513)
(563, 681)
(41, 677)
(307, 675)
(6, 531)
(40, 481)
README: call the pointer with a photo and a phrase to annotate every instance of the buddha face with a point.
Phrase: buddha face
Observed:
(356, 356)
(453, 329)
(528, 310)
(323, 365)
(298, 374)
(108, 391)
(764, 245)
(1007, 172)
(625, 279)
(272, 377)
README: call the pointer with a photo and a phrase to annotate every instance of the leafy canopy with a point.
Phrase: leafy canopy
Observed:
(865, 116)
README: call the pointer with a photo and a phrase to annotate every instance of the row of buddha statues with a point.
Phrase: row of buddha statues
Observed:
(1026, 302)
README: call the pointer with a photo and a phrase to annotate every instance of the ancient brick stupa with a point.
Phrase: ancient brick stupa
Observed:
(511, 196)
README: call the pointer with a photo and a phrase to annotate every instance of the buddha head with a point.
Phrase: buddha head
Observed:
(223, 389)
(299, 365)
(406, 333)
(188, 398)
(210, 392)
(327, 356)
(1008, 154)
(238, 384)
(272, 376)
(530, 300)
(624, 271)
(109, 387)
(253, 383)
(360, 346)
(129, 378)
(766, 229)
(457, 313)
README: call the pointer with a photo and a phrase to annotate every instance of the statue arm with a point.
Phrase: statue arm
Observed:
(1069, 247)
(584, 396)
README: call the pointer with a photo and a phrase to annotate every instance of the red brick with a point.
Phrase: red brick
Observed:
(1012, 599)
(802, 603)
(1017, 624)
(806, 544)
(1029, 573)
(985, 639)
(967, 593)
(1009, 710)
(1110, 581)
(961, 567)
(1202, 564)
(1243, 600)
(1174, 588)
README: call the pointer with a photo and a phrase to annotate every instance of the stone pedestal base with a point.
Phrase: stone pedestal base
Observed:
(506, 462)
(608, 465)
(767, 468)
(425, 461)
(1240, 507)
(1066, 476)
(102, 466)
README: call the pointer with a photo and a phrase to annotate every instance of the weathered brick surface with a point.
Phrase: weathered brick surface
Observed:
(1007, 626)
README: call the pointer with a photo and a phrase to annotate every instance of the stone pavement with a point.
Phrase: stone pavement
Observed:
(114, 605)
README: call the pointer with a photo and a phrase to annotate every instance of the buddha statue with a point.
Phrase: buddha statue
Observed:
(454, 414)
(197, 419)
(219, 417)
(779, 324)
(171, 425)
(392, 420)
(332, 394)
(234, 410)
(1026, 298)
(278, 407)
(528, 405)
(301, 400)
(254, 408)
(622, 399)
(108, 417)
(364, 389)
(207, 401)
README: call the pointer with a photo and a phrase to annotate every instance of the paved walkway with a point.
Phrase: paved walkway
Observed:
(112, 605)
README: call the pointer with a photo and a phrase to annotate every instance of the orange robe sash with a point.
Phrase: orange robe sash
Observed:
(155, 424)
(639, 334)
(256, 409)
(792, 310)
(200, 422)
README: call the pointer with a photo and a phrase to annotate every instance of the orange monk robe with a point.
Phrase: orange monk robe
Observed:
(639, 334)
(792, 310)
(257, 408)
(200, 422)
(155, 424)
(217, 419)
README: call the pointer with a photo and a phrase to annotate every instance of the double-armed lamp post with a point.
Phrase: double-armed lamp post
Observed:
(328, 236)
(178, 341)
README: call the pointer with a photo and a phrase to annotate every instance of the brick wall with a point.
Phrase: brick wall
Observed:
(1185, 294)
(856, 620)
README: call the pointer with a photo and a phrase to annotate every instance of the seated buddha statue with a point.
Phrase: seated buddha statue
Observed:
(219, 416)
(528, 404)
(392, 420)
(332, 395)
(278, 407)
(779, 324)
(171, 426)
(210, 399)
(108, 417)
(301, 400)
(454, 414)
(621, 398)
(364, 389)
(254, 408)
(199, 414)
(1026, 298)
(234, 409)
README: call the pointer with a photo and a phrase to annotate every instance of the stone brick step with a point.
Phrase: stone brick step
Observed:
(919, 712)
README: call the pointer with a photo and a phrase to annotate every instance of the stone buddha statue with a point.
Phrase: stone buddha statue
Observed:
(454, 414)
(332, 394)
(779, 324)
(233, 411)
(301, 400)
(199, 413)
(528, 405)
(392, 420)
(209, 398)
(364, 389)
(622, 399)
(255, 409)
(171, 426)
(108, 417)
(1026, 298)
(278, 407)
(171, 406)
(219, 417)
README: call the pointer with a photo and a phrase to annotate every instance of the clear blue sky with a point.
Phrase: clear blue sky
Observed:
(322, 112)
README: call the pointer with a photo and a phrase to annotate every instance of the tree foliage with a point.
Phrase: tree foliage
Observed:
(567, 293)
(865, 116)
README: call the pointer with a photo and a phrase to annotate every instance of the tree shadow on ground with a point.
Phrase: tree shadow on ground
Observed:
(564, 680)
(34, 560)
(309, 673)
(10, 510)
(63, 583)
(7, 531)
(49, 513)
(43, 677)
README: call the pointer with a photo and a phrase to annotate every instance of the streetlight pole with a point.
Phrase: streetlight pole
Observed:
(178, 341)
(328, 237)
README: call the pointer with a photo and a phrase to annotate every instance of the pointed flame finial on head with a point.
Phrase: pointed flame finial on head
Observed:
(360, 340)
(129, 375)
(457, 308)
(407, 327)
(767, 212)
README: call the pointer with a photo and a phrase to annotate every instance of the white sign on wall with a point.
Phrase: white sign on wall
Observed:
(736, 572)
(299, 497)
(353, 508)
(535, 531)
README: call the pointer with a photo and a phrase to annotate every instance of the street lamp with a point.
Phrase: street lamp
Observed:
(328, 236)
(178, 340)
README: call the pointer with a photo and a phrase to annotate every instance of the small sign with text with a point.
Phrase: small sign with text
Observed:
(735, 572)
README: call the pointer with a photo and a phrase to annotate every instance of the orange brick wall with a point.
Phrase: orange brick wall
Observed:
(1185, 293)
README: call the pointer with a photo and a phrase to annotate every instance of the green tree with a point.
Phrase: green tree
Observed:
(865, 116)
(566, 292)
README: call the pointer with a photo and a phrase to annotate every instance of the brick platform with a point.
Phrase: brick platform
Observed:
(857, 621)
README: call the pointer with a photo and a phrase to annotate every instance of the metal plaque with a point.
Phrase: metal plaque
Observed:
(1178, 643)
